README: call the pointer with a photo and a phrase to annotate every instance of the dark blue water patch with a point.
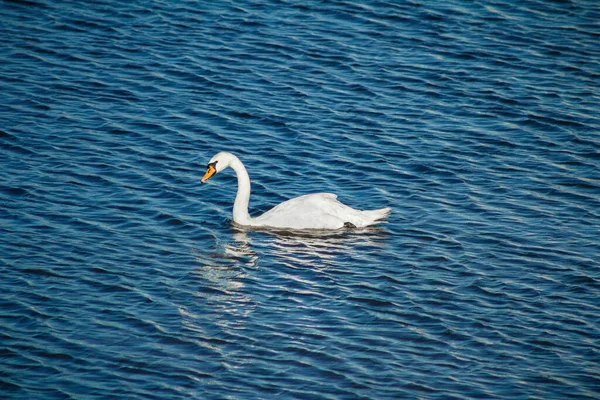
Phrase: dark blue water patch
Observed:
(124, 277)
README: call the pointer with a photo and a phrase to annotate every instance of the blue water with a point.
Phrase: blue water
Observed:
(123, 277)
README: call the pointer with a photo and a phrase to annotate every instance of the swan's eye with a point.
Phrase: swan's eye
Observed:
(212, 164)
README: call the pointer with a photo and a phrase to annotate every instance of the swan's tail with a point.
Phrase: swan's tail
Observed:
(370, 217)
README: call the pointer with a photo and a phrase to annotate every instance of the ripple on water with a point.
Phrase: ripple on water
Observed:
(124, 277)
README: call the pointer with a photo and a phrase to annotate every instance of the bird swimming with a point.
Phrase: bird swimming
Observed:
(312, 211)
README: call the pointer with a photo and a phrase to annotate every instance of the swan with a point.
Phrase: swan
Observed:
(312, 211)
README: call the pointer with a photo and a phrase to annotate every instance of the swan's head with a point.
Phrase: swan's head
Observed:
(218, 163)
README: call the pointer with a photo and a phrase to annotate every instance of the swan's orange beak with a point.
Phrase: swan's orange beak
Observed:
(209, 172)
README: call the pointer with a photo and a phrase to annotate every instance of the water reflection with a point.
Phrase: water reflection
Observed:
(224, 268)
(234, 258)
(228, 256)
(219, 280)
(225, 281)
(300, 246)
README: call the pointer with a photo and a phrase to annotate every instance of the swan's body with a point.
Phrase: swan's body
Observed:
(311, 211)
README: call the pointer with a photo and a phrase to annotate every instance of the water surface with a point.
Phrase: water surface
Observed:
(123, 277)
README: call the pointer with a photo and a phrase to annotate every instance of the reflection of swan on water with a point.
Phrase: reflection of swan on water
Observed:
(237, 257)
(225, 270)
(311, 211)
(220, 277)
(321, 245)
(237, 253)
(218, 285)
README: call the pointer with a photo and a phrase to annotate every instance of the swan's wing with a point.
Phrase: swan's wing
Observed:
(311, 211)
(318, 211)
(303, 203)
(326, 206)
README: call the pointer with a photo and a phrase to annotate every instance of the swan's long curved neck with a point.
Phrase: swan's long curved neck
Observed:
(242, 198)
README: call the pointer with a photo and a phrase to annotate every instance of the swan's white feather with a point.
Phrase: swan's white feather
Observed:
(316, 211)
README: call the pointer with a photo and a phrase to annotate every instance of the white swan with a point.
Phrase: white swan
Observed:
(311, 211)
